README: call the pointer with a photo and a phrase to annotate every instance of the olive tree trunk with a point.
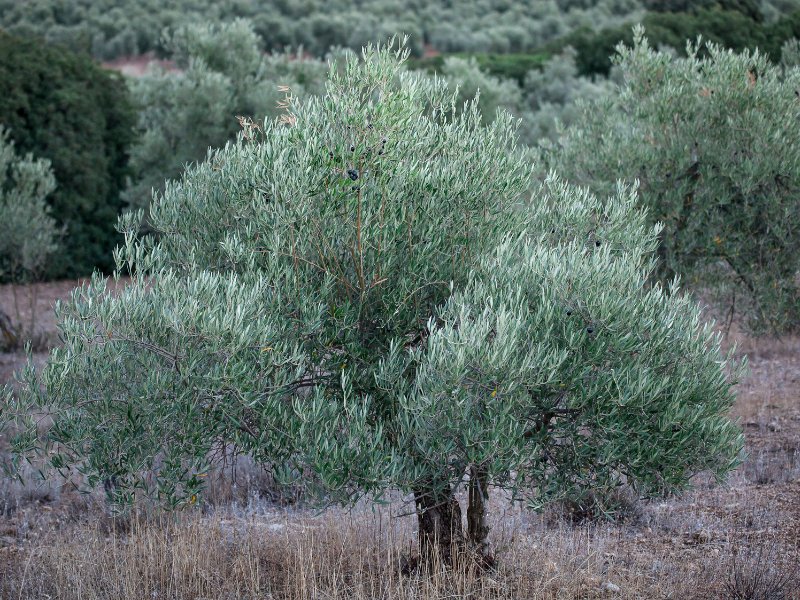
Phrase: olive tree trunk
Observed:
(441, 537)
(440, 533)
(477, 529)
(10, 338)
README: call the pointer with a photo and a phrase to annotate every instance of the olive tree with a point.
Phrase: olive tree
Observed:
(714, 144)
(362, 296)
(28, 234)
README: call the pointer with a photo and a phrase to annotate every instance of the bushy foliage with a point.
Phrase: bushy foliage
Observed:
(548, 94)
(728, 28)
(28, 235)
(790, 54)
(502, 66)
(65, 108)
(470, 81)
(113, 28)
(713, 146)
(358, 296)
(750, 8)
(27, 231)
(551, 97)
(223, 77)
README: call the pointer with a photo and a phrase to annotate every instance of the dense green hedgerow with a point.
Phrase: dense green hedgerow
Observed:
(67, 109)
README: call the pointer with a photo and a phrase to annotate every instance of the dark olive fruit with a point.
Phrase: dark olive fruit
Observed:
(353, 174)
(597, 243)
(355, 188)
(660, 467)
(589, 329)
(370, 126)
(380, 151)
(330, 154)
(352, 148)
(667, 174)
(569, 313)
(544, 458)
(553, 230)
(796, 93)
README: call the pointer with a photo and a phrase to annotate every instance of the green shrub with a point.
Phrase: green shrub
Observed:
(27, 232)
(113, 28)
(360, 299)
(224, 77)
(470, 81)
(714, 144)
(67, 109)
(749, 8)
(729, 29)
(553, 95)
(502, 66)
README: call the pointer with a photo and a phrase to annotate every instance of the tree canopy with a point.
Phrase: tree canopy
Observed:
(711, 144)
(359, 295)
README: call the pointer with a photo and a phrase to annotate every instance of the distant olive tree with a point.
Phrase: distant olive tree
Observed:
(28, 233)
(713, 148)
(470, 81)
(223, 76)
(552, 97)
(358, 296)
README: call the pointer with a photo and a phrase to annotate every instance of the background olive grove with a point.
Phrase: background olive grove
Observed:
(114, 142)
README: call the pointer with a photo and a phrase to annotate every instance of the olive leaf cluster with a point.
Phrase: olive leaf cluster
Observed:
(712, 144)
(362, 294)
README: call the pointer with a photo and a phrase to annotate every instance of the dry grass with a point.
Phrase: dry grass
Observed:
(262, 552)
(738, 542)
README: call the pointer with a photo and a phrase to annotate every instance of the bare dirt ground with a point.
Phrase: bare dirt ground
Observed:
(60, 544)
